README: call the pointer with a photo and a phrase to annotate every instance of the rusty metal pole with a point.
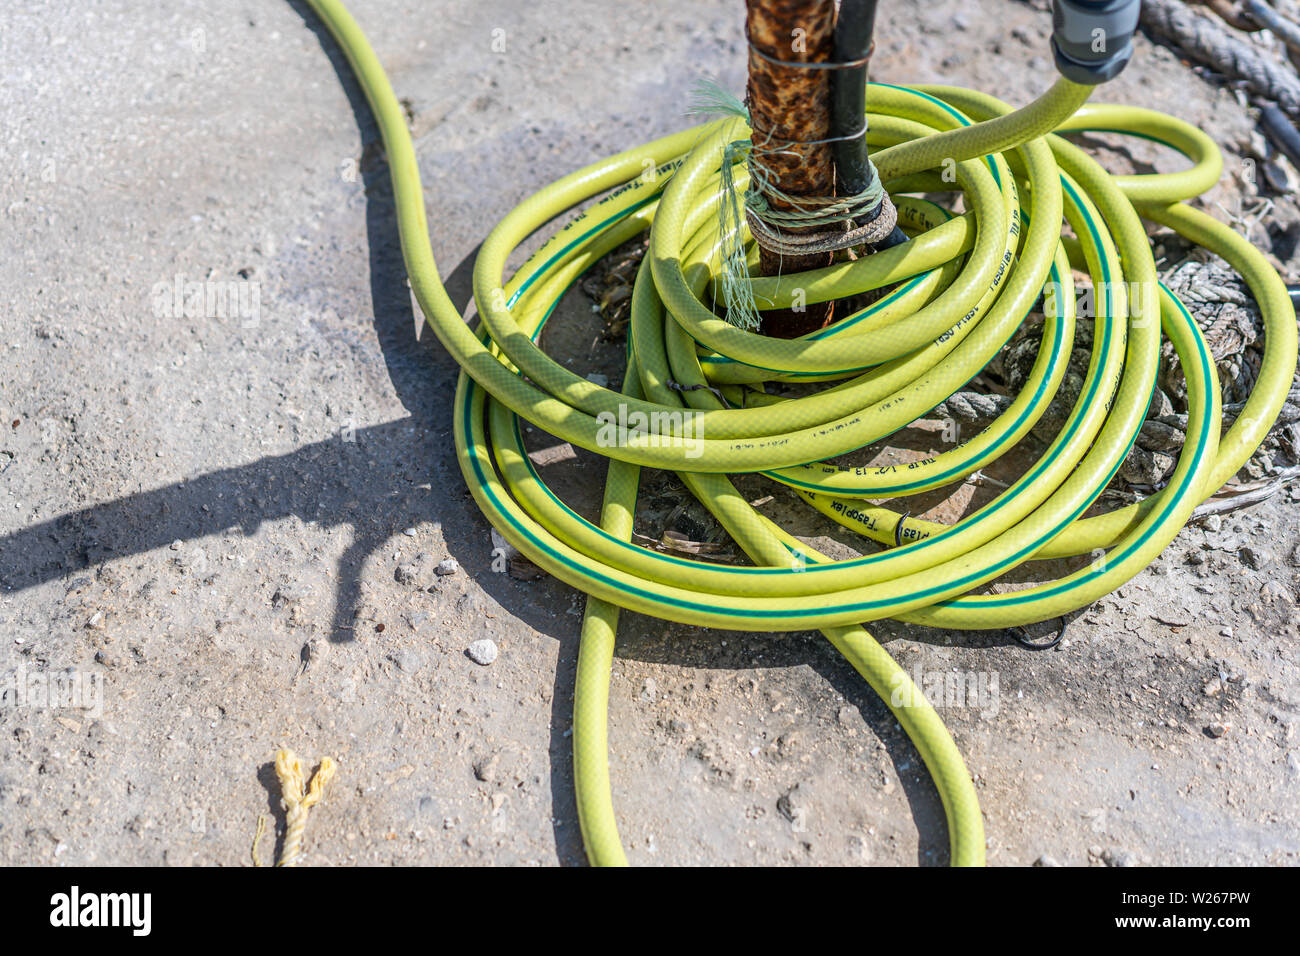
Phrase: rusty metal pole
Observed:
(792, 105)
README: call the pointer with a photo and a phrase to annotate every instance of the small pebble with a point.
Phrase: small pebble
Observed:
(483, 651)
(1254, 557)
(407, 660)
(1218, 729)
(447, 566)
(1274, 591)
(1115, 857)
(1046, 860)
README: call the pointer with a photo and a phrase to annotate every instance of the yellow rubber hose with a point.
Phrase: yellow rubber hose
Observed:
(956, 293)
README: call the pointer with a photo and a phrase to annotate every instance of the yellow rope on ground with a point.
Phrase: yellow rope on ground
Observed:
(298, 801)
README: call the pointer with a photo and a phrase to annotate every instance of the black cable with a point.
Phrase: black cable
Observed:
(1022, 637)
(1294, 292)
(1282, 131)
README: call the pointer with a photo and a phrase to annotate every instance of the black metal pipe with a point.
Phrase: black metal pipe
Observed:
(853, 28)
(853, 32)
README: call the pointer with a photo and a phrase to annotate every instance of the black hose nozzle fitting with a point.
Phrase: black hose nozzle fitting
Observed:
(1093, 39)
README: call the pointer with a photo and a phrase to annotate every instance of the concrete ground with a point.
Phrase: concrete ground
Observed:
(202, 519)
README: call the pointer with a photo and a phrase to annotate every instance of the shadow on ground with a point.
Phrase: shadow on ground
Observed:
(331, 483)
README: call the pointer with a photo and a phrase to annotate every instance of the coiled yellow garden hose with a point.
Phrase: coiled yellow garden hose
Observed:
(961, 288)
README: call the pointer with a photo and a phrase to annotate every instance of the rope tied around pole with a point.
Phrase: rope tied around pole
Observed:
(767, 223)
(298, 799)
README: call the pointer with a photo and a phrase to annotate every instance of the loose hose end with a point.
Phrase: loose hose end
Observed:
(1093, 39)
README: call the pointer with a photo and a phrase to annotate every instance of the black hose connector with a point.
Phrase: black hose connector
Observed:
(1093, 39)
